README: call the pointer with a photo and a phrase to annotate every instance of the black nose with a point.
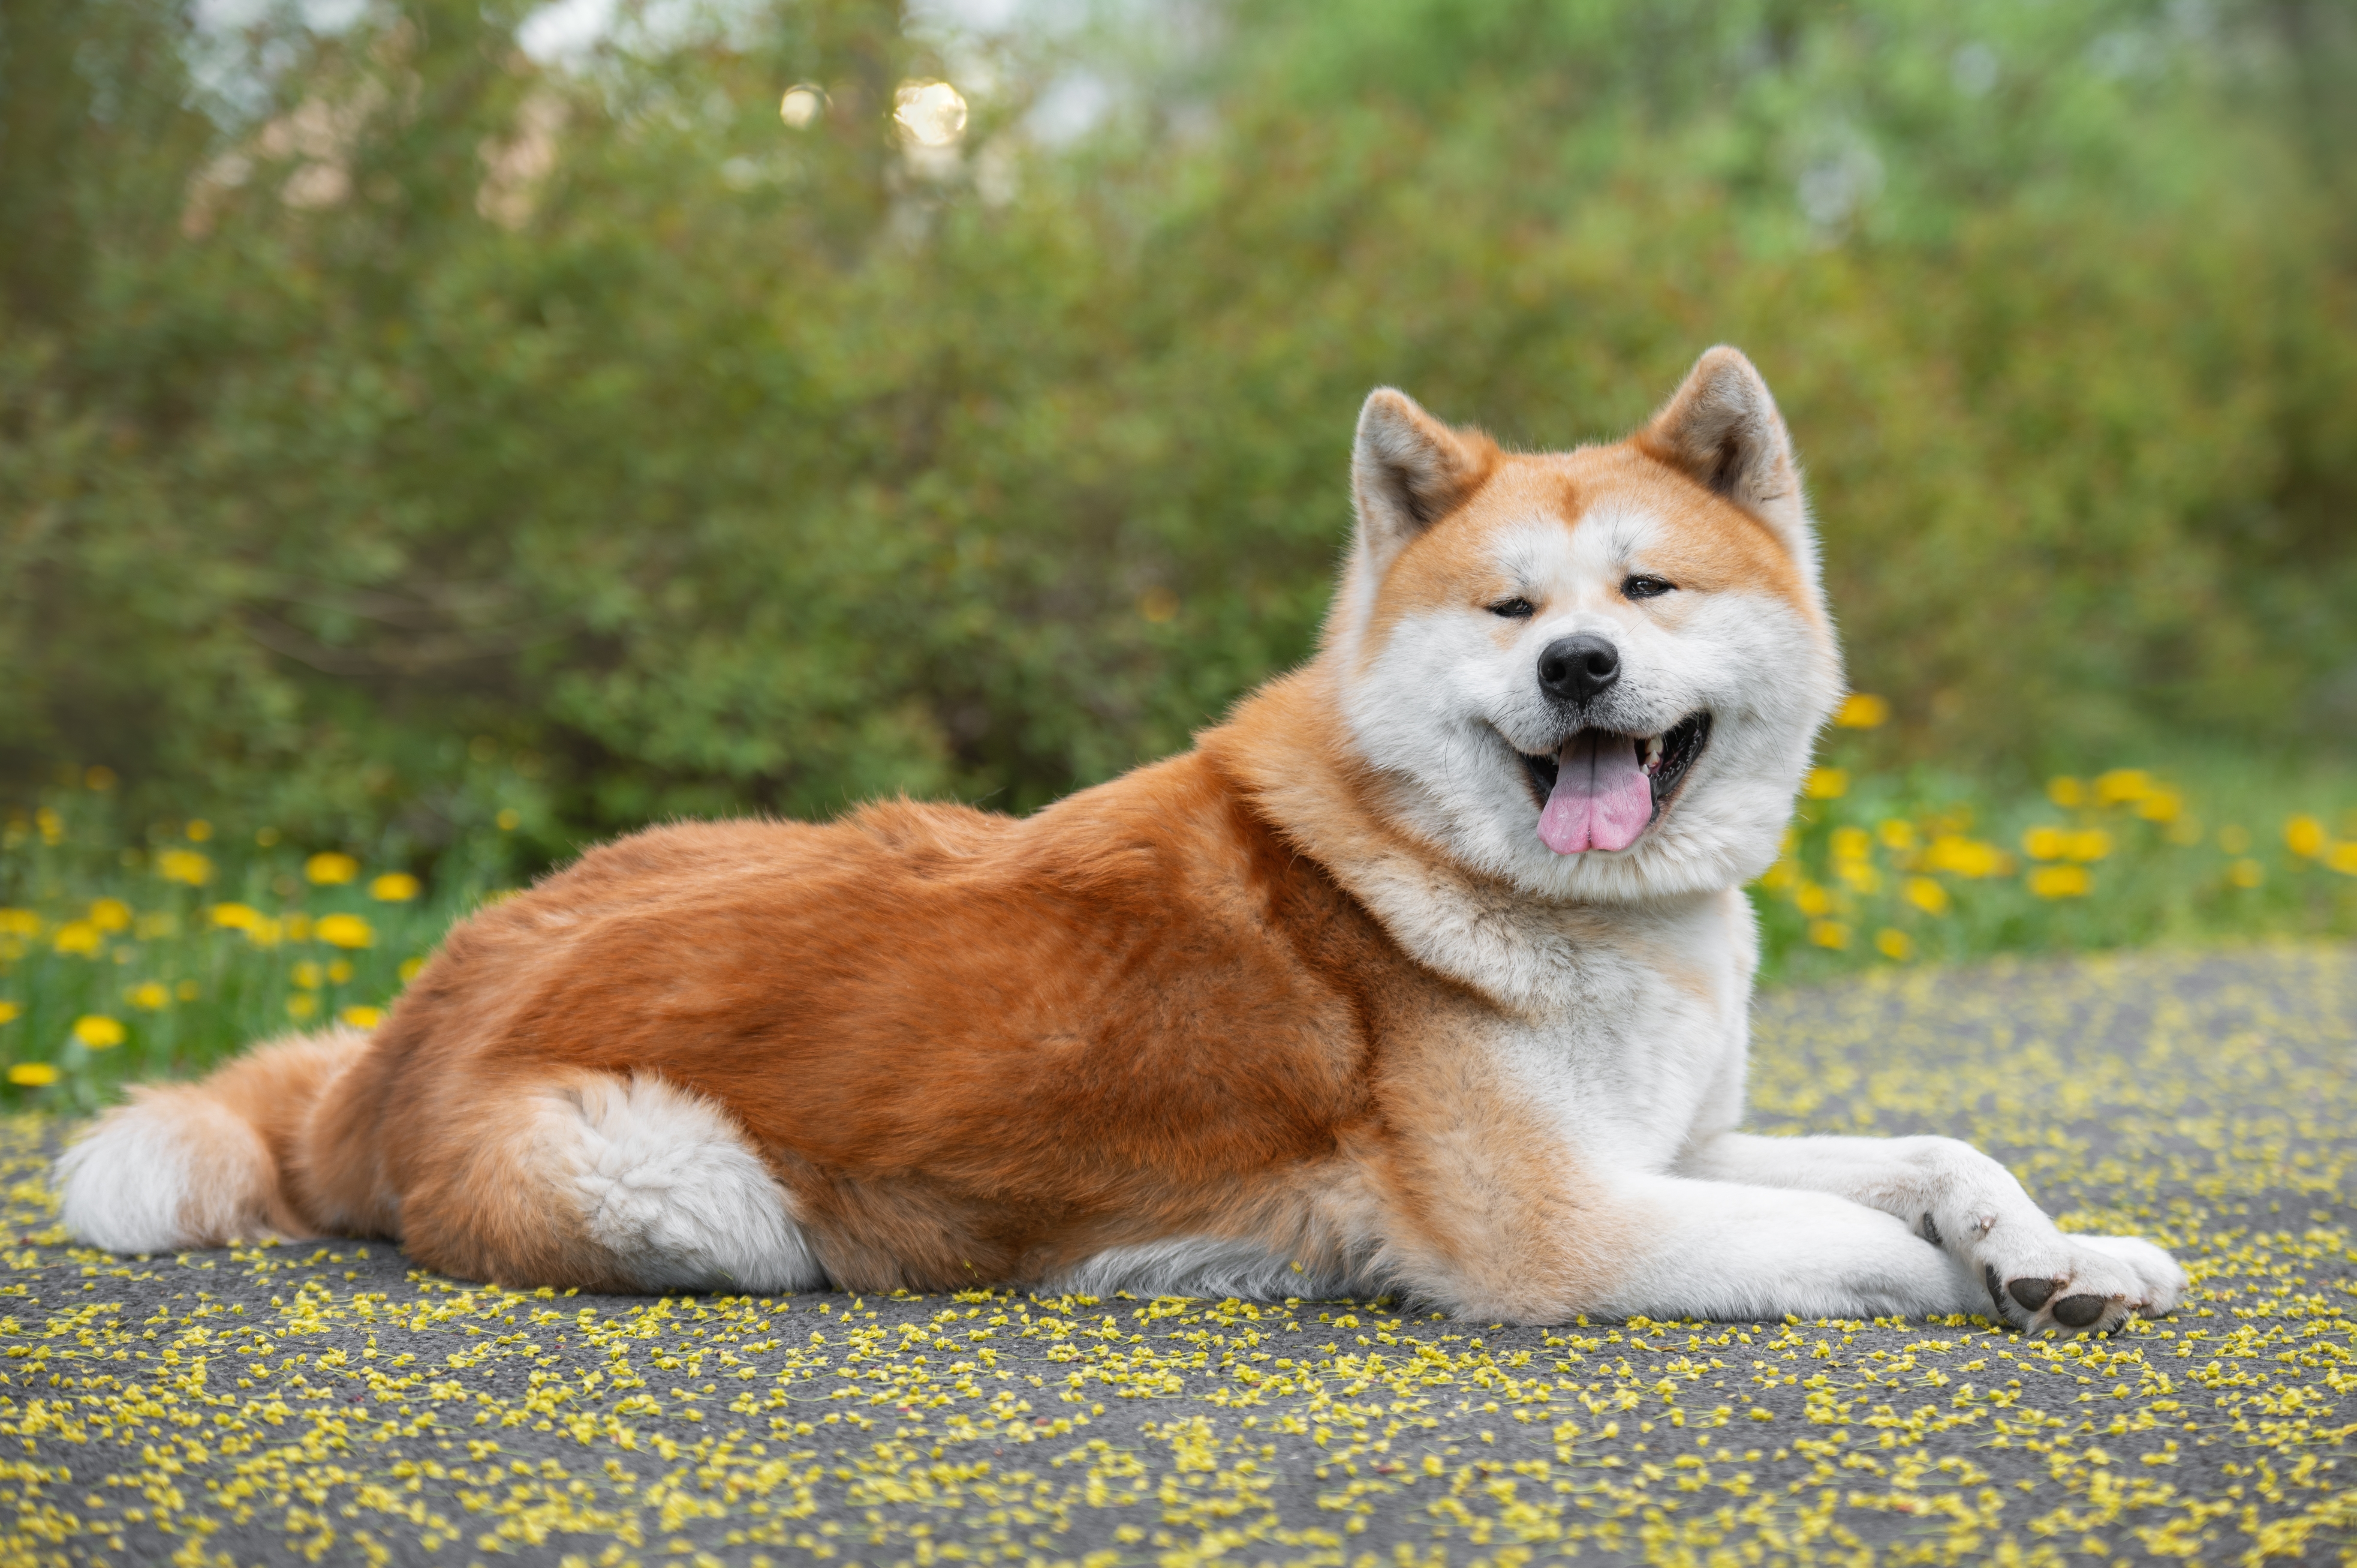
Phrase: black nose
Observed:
(1576, 669)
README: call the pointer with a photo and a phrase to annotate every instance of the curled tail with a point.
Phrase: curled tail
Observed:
(261, 1147)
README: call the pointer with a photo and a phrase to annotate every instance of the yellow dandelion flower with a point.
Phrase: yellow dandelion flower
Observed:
(110, 915)
(393, 888)
(362, 1018)
(19, 923)
(345, 930)
(1861, 876)
(1825, 783)
(1927, 894)
(339, 972)
(2060, 882)
(2246, 873)
(1851, 843)
(1893, 945)
(9, 1011)
(236, 916)
(2162, 805)
(2122, 786)
(152, 994)
(1812, 899)
(52, 826)
(331, 869)
(1862, 710)
(2087, 844)
(2342, 857)
(301, 1005)
(2066, 792)
(509, 819)
(2045, 843)
(98, 1031)
(2306, 836)
(79, 937)
(1965, 857)
(33, 1075)
(307, 975)
(187, 990)
(298, 926)
(1897, 834)
(1829, 934)
(1783, 873)
(199, 831)
(184, 865)
(410, 966)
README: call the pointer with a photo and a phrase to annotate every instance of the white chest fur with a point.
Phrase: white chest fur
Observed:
(1626, 1024)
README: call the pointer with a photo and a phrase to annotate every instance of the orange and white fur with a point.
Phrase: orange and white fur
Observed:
(1427, 972)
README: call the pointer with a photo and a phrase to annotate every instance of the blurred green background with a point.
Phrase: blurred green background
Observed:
(399, 426)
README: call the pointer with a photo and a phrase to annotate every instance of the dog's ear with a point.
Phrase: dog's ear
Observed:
(1722, 428)
(1408, 470)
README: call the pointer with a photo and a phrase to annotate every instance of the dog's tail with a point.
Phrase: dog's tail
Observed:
(259, 1148)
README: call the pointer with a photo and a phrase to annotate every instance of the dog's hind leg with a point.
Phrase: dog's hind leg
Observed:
(606, 1182)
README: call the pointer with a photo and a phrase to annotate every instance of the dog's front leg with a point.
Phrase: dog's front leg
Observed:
(1726, 1249)
(1966, 1203)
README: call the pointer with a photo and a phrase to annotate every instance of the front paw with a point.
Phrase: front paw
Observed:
(2080, 1285)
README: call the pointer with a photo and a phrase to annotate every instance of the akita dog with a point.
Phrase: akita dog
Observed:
(1425, 974)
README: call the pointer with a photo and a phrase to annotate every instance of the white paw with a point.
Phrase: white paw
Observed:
(2079, 1284)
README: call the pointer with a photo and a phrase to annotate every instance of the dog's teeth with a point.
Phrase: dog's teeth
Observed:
(1652, 753)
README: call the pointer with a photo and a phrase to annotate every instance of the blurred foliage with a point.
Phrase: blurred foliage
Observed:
(394, 431)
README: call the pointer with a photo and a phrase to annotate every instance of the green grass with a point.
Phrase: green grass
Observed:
(131, 952)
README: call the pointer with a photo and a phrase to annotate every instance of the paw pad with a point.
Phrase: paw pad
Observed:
(2078, 1311)
(2032, 1294)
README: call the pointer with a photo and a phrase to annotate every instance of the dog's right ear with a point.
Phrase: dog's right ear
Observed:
(1408, 470)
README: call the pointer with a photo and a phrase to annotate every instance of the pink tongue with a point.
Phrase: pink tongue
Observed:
(1602, 798)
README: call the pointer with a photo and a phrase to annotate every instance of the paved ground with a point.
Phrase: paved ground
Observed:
(333, 1404)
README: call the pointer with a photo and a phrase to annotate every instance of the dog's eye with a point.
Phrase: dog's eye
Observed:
(1643, 587)
(1514, 609)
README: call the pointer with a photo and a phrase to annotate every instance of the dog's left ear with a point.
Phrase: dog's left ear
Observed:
(1722, 428)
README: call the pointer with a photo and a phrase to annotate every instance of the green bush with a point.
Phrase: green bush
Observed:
(416, 433)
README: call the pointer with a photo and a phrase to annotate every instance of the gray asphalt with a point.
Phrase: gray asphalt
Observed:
(333, 1403)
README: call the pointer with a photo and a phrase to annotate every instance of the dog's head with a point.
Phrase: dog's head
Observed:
(1596, 673)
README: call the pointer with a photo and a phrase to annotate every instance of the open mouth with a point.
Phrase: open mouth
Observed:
(1601, 789)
